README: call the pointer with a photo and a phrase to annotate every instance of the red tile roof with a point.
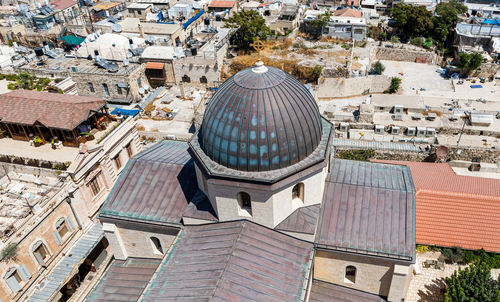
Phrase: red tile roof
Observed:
(52, 110)
(348, 12)
(62, 4)
(221, 3)
(354, 3)
(454, 210)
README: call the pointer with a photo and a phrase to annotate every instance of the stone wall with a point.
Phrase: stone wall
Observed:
(340, 87)
(397, 54)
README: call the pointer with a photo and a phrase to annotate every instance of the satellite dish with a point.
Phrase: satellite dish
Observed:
(117, 28)
(141, 90)
(441, 152)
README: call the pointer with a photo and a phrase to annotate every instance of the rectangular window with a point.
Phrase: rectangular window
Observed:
(62, 229)
(130, 152)
(119, 89)
(106, 90)
(91, 87)
(94, 185)
(118, 162)
(139, 81)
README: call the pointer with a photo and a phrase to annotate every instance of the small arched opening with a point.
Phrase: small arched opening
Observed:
(245, 203)
(156, 243)
(350, 274)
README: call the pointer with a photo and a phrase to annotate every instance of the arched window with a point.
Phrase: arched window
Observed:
(157, 249)
(64, 226)
(298, 191)
(245, 203)
(203, 80)
(186, 79)
(350, 274)
(41, 253)
(16, 278)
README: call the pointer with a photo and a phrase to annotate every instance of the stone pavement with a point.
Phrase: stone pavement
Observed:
(429, 285)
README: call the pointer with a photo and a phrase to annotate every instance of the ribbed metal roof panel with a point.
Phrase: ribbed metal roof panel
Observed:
(261, 121)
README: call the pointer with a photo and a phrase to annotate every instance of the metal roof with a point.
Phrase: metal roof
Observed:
(156, 185)
(327, 292)
(200, 208)
(368, 208)
(125, 280)
(303, 220)
(232, 261)
(63, 270)
(261, 119)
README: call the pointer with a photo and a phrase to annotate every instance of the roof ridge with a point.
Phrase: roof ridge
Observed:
(231, 255)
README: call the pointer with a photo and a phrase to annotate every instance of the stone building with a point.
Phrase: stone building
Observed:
(49, 216)
(257, 191)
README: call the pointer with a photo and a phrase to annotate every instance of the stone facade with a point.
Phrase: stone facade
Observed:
(397, 54)
(378, 276)
(329, 88)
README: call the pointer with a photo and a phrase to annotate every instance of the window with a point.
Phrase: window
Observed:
(40, 252)
(139, 81)
(119, 89)
(91, 87)
(157, 249)
(16, 278)
(106, 90)
(94, 185)
(203, 80)
(118, 162)
(130, 151)
(63, 227)
(186, 79)
(298, 191)
(245, 204)
(350, 274)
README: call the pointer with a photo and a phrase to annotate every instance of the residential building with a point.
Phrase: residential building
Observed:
(139, 10)
(222, 6)
(347, 24)
(264, 192)
(102, 10)
(287, 19)
(48, 214)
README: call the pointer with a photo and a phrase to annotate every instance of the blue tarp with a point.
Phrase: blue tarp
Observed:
(476, 86)
(131, 112)
(186, 24)
(492, 22)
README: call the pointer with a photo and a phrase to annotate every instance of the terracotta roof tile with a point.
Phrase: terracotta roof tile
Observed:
(52, 110)
(348, 12)
(454, 210)
(222, 4)
(62, 4)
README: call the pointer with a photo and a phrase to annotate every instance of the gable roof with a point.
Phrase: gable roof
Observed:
(221, 3)
(328, 292)
(53, 110)
(156, 185)
(232, 261)
(368, 208)
(303, 220)
(62, 4)
(348, 12)
(454, 210)
(125, 280)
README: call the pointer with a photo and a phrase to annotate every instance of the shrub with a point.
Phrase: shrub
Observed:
(395, 39)
(455, 254)
(427, 248)
(9, 252)
(417, 41)
(472, 284)
(360, 155)
(378, 68)
(394, 87)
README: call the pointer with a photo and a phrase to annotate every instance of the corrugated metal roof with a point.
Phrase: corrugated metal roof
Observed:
(303, 220)
(368, 208)
(232, 261)
(358, 144)
(328, 292)
(261, 120)
(156, 185)
(62, 271)
(125, 280)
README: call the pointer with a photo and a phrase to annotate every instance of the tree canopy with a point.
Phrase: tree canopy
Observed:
(249, 25)
(413, 21)
(473, 284)
(470, 61)
(446, 16)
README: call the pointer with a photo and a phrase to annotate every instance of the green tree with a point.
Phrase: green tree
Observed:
(394, 87)
(469, 61)
(473, 284)
(412, 20)
(249, 26)
(445, 19)
(378, 68)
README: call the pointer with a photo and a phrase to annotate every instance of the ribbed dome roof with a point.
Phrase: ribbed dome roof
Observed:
(260, 119)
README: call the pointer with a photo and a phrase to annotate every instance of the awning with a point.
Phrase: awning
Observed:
(125, 112)
(72, 40)
(69, 264)
(122, 85)
(154, 65)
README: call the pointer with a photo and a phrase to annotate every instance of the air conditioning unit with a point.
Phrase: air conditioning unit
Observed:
(344, 127)
(379, 129)
(398, 109)
(74, 69)
(421, 131)
(395, 130)
(398, 117)
(430, 132)
(411, 131)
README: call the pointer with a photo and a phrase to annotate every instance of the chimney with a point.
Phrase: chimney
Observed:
(141, 31)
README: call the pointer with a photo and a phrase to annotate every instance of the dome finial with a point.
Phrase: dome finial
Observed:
(259, 67)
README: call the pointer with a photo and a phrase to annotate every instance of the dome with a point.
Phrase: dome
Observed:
(260, 119)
